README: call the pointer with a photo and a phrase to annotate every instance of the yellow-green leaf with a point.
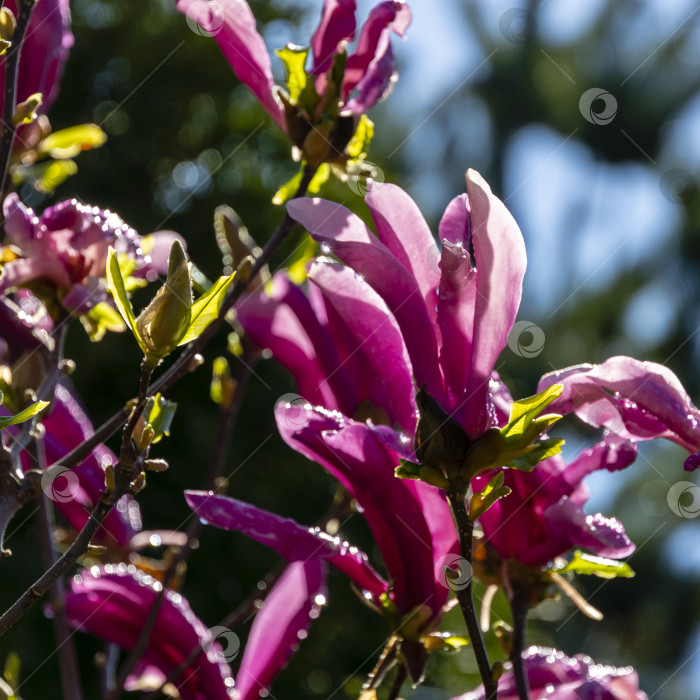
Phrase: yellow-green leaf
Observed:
(116, 287)
(25, 415)
(294, 59)
(101, 318)
(68, 143)
(597, 566)
(359, 144)
(206, 308)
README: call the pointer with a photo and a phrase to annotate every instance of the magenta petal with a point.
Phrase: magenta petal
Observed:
(394, 508)
(337, 25)
(377, 336)
(386, 17)
(286, 537)
(378, 80)
(603, 536)
(554, 676)
(112, 602)
(499, 252)
(159, 252)
(236, 34)
(282, 320)
(348, 238)
(279, 626)
(456, 303)
(636, 400)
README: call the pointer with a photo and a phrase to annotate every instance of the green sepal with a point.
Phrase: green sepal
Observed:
(68, 143)
(4, 45)
(25, 415)
(440, 440)
(482, 501)
(305, 252)
(206, 308)
(596, 566)
(407, 470)
(46, 176)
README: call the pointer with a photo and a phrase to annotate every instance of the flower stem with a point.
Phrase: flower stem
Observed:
(24, 12)
(518, 606)
(465, 529)
(399, 679)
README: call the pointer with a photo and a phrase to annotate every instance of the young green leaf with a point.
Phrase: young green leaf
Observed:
(206, 308)
(116, 287)
(68, 143)
(482, 501)
(597, 566)
(25, 415)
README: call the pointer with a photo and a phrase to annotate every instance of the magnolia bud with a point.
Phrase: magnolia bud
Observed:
(26, 111)
(8, 24)
(165, 320)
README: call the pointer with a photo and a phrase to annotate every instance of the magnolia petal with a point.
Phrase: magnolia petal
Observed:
(354, 455)
(233, 26)
(386, 17)
(603, 536)
(337, 25)
(499, 253)
(286, 537)
(282, 320)
(553, 675)
(377, 335)
(111, 602)
(633, 399)
(280, 625)
(346, 236)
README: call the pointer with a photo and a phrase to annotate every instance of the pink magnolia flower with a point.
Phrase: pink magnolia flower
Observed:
(368, 74)
(635, 400)
(552, 675)
(67, 246)
(111, 602)
(44, 51)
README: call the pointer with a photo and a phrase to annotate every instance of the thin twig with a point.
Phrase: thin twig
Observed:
(465, 529)
(518, 606)
(399, 679)
(65, 644)
(24, 12)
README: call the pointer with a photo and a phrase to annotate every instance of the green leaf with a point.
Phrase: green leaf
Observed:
(159, 413)
(294, 59)
(206, 308)
(116, 287)
(289, 189)
(597, 566)
(45, 177)
(524, 412)
(541, 450)
(220, 379)
(358, 146)
(25, 415)
(482, 501)
(68, 143)
(101, 318)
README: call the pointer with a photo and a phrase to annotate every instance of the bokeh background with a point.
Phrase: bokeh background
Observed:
(585, 118)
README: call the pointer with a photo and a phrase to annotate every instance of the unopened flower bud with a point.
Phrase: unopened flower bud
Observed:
(26, 111)
(156, 465)
(138, 483)
(8, 24)
(164, 321)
